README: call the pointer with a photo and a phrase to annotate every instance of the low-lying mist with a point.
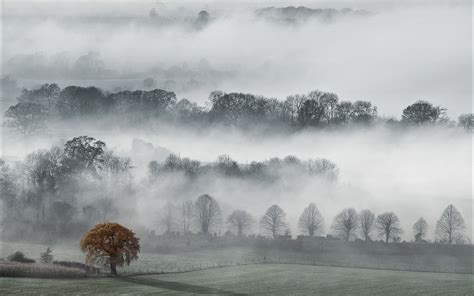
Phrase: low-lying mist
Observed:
(414, 172)
(396, 54)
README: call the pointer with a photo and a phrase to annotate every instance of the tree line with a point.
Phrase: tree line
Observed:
(269, 170)
(205, 215)
(67, 188)
(316, 109)
(51, 187)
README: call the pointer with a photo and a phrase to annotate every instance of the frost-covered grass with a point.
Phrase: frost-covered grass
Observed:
(275, 279)
(147, 262)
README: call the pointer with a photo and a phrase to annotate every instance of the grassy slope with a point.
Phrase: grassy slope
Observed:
(263, 278)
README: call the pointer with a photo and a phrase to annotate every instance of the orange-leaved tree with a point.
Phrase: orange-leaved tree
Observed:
(110, 243)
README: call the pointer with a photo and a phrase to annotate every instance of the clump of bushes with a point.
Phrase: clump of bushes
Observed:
(47, 257)
(19, 257)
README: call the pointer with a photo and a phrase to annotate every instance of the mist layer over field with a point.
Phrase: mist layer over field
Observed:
(394, 55)
(413, 173)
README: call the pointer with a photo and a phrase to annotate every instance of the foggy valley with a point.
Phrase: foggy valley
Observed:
(213, 134)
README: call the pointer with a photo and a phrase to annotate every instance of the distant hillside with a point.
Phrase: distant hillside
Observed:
(293, 14)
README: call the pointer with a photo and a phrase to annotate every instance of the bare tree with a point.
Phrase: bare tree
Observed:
(207, 213)
(367, 219)
(106, 208)
(450, 226)
(273, 221)
(27, 118)
(240, 221)
(169, 218)
(388, 225)
(186, 215)
(311, 221)
(346, 224)
(467, 121)
(420, 228)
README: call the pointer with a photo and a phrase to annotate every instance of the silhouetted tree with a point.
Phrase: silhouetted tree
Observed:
(450, 226)
(328, 102)
(168, 217)
(367, 220)
(44, 170)
(47, 96)
(84, 152)
(207, 213)
(273, 221)
(240, 221)
(310, 113)
(311, 221)
(46, 257)
(106, 208)
(363, 112)
(8, 188)
(388, 225)
(343, 113)
(420, 228)
(227, 165)
(324, 168)
(80, 101)
(422, 112)
(345, 224)
(466, 121)
(26, 118)
(292, 107)
(186, 209)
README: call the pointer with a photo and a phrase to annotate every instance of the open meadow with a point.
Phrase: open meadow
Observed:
(276, 279)
(221, 271)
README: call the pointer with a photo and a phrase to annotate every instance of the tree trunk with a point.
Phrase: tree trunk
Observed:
(113, 269)
(387, 236)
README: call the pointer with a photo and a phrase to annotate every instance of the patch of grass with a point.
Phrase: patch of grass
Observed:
(276, 279)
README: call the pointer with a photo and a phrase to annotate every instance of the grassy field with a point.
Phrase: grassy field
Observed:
(275, 279)
(147, 262)
(204, 258)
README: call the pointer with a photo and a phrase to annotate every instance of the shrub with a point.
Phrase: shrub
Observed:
(47, 257)
(19, 257)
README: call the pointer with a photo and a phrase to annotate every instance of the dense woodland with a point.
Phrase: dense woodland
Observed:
(317, 109)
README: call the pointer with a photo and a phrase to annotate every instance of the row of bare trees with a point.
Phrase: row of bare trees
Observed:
(349, 224)
(205, 214)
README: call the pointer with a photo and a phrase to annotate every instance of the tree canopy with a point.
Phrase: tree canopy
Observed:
(111, 244)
